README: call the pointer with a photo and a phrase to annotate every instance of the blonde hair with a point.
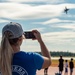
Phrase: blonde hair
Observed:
(6, 54)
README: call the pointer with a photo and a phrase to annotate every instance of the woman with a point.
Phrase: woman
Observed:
(16, 62)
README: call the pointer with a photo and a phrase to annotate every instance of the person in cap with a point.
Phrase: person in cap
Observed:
(16, 62)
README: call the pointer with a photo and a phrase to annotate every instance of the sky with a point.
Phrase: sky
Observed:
(47, 16)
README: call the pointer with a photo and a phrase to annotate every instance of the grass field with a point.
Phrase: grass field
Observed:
(55, 63)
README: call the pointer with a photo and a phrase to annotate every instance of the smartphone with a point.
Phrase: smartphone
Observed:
(29, 35)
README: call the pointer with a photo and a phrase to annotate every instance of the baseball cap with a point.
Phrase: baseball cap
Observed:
(14, 28)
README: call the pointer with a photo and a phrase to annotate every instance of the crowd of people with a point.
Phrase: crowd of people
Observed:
(64, 65)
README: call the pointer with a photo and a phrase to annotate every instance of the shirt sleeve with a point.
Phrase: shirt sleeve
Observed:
(38, 60)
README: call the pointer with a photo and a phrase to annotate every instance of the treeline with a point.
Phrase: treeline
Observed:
(64, 54)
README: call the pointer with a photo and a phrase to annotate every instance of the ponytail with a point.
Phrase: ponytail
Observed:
(6, 53)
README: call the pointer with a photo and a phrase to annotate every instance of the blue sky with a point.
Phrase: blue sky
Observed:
(56, 27)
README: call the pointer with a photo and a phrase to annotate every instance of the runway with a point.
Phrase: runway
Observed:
(52, 71)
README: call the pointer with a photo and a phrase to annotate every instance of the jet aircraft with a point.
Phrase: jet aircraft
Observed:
(66, 10)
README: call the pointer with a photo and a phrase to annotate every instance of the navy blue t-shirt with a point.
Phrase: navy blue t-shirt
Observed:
(26, 63)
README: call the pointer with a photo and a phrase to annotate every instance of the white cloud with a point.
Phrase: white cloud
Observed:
(53, 41)
(39, 29)
(24, 11)
(30, 45)
(65, 37)
(56, 20)
(2, 21)
(67, 26)
(46, 1)
(57, 1)
(62, 35)
(27, 0)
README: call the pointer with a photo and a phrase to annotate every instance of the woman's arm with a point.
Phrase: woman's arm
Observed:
(44, 50)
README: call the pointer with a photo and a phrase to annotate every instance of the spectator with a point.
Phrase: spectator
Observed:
(61, 65)
(16, 62)
(71, 64)
(46, 71)
(66, 67)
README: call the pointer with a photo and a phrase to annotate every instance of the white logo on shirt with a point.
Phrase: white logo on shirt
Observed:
(18, 69)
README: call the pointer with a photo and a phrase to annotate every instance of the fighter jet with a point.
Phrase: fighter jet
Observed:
(66, 10)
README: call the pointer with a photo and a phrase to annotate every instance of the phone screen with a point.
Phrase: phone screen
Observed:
(29, 35)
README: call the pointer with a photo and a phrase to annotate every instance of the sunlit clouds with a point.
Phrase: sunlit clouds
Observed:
(25, 11)
(47, 16)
